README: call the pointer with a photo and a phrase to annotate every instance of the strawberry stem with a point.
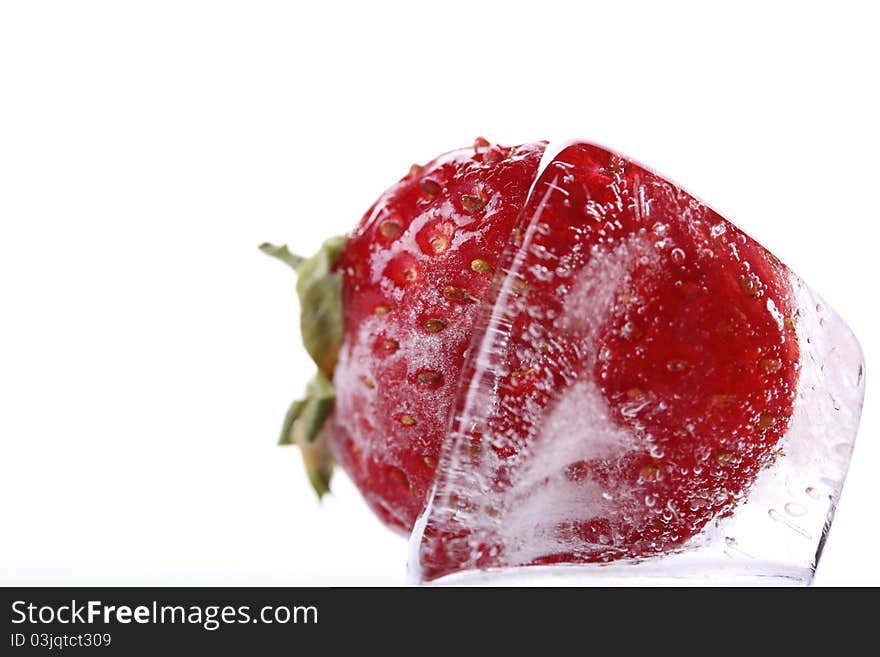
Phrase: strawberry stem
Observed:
(304, 427)
(282, 253)
(319, 287)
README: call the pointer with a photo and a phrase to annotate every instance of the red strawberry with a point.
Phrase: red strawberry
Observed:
(646, 377)
(641, 359)
(413, 273)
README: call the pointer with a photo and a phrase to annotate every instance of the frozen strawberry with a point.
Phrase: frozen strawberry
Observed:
(602, 363)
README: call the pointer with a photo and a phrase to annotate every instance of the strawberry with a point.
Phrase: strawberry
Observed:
(640, 360)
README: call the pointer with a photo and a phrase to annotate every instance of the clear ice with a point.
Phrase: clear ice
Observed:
(502, 496)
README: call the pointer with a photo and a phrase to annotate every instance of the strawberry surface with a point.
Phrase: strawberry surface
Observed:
(414, 272)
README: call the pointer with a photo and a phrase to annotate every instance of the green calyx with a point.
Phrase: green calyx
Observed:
(319, 289)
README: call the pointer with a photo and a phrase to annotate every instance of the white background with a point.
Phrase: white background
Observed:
(148, 351)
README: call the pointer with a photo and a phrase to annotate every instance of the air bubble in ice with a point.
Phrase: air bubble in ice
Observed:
(717, 230)
(542, 273)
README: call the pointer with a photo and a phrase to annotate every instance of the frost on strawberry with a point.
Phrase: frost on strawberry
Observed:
(408, 284)
(410, 298)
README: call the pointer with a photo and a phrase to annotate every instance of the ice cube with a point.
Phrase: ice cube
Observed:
(650, 393)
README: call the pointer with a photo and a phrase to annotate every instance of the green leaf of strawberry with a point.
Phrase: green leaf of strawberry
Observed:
(319, 290)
